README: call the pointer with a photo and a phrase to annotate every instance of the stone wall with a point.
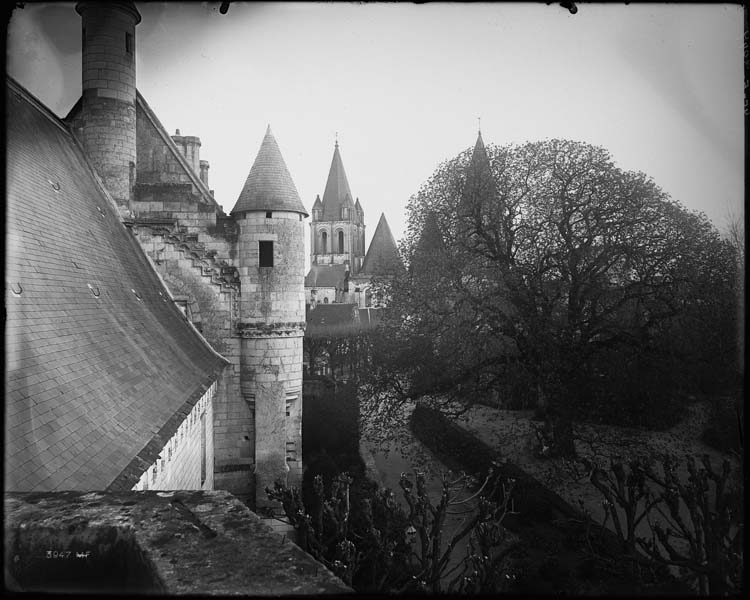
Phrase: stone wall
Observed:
(172, 543)
(272, 322)
(320, 295)
(354, 250)
(156, 162)
(214, 309)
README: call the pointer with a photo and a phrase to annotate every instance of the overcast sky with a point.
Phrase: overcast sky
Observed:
(659, 86)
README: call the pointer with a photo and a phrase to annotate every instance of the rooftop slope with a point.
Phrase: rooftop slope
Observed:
(101, 366)
(269, 185)
(382, 258)
(326, 276)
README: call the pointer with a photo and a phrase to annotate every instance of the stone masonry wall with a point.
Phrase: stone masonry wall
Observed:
(213, 310)
(173, 201)
(156, 163)
(352, 242)
(272, 321)
(186, 461)
(182, 543)
(108, 114)
(319, 295)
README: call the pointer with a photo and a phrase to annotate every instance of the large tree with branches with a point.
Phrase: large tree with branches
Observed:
(547, 274)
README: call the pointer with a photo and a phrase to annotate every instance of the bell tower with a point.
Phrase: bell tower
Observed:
(271, 257)
(337, 230)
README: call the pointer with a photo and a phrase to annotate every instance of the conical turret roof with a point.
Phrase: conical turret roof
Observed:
(337, 188)
(269, 185)
(317, 203)
(382, 256)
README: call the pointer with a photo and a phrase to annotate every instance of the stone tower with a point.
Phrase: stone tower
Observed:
(337, 231)
(108, 102)
(271, 263)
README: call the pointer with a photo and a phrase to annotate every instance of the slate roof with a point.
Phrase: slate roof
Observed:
(326, 276)
(101, 366)
(269, 185)
(337, 188)
(382, 258)
(370, 317)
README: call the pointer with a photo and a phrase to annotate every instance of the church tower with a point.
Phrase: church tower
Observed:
(108, 103)
(337, 231)
(271, 261)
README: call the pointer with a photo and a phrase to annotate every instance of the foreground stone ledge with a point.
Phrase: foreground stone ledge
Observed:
(181, 542)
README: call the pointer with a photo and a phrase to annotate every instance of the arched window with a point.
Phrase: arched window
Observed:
(341, 242)
(325, 300)
(324, 240)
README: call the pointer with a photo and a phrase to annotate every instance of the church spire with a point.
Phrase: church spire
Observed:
(337, 188)
(479, 185)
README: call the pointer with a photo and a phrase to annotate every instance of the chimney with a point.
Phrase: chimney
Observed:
(190, 147)
(204, 172)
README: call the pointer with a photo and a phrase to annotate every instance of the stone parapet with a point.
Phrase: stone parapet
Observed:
(172, 543)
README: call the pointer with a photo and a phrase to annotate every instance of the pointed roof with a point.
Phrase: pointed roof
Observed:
(358, 206)
(269, 185)
(317, 203)
(479, 181)
(430, 246)
(382, 256)
(480, 162)
(337, 188)
(428, 260)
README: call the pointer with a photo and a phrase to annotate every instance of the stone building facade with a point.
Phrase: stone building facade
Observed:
(236, 281)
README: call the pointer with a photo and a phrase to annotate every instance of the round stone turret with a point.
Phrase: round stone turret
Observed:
(108, 99)
(271, 257)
